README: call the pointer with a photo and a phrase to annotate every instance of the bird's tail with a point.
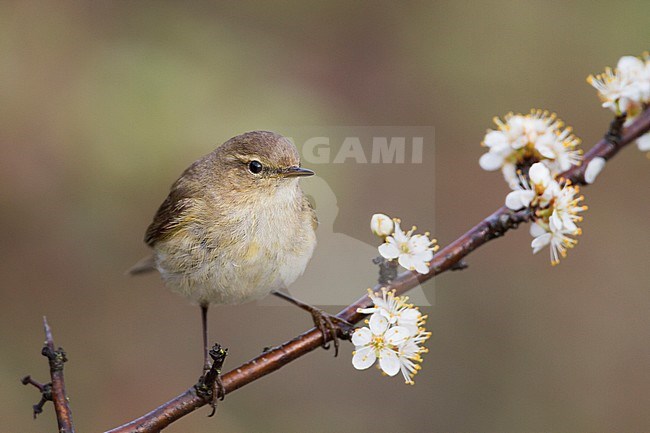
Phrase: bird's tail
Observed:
(145, 265)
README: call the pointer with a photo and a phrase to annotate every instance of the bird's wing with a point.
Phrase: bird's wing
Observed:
(170, 214)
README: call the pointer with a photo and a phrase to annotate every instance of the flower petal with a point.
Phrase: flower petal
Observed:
(630, 65)
(490, 161)
(568, 223)
(407, 262)
(555, 222)
(399, 236)
(362, 336)
(364, 358)
(378, 324)
(544, 145)
(536, 230)
(510, 175)
(540, 242)
(409, 349)
(397, 335)
(539, 174)
(496, 139)
(519, 199)
(412, 328)
(389, 362)
(387, 314)
(419, 243)
(389, 251)
(424, 256)
(410, 315)
(421, 267)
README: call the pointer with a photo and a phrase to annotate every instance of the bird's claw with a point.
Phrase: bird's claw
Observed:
(218, 393)
(327, 324)
(210, 386)
(332, 326)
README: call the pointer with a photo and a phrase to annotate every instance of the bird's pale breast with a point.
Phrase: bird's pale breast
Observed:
(260, 247)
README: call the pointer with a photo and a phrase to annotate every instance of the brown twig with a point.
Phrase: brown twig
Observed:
(55, 390)
(447, 258)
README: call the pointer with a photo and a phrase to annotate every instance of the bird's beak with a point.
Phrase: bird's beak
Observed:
(296, 172)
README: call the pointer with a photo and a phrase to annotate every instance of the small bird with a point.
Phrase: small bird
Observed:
(236, 226)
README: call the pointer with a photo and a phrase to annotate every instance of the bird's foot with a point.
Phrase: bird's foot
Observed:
(332, 327)
(210, 386)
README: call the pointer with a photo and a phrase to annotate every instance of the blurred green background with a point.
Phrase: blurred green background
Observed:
(103, 104)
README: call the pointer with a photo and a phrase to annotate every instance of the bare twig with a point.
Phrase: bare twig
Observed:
(55, 390)
(448, 258)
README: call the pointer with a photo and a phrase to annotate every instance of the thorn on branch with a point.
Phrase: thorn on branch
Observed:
(45, 390)
(210, 387)
(27, 380)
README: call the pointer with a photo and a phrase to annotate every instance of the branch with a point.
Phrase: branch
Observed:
(55, 390)
(56, 359)
(448, 258)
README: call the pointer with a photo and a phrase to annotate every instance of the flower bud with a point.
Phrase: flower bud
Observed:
(381, 225)
(594, 168)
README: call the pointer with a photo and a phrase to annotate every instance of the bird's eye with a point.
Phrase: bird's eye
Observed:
(255, 167)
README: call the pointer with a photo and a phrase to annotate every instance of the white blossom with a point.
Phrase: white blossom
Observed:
(395, 309)
(413, 252)
(566, 208)
(559, 150)
(521, 139)
(555, 222)
(378, 342)
(409, 355)
(557, 241)
(616, 91)
(637, 72)
(539, 190)
(555, 210)
(394, 336)
(521, 197)
(626, 90)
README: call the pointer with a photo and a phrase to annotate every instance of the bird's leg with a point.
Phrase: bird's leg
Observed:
(217, 385)
(204, 325)
(326, 323)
